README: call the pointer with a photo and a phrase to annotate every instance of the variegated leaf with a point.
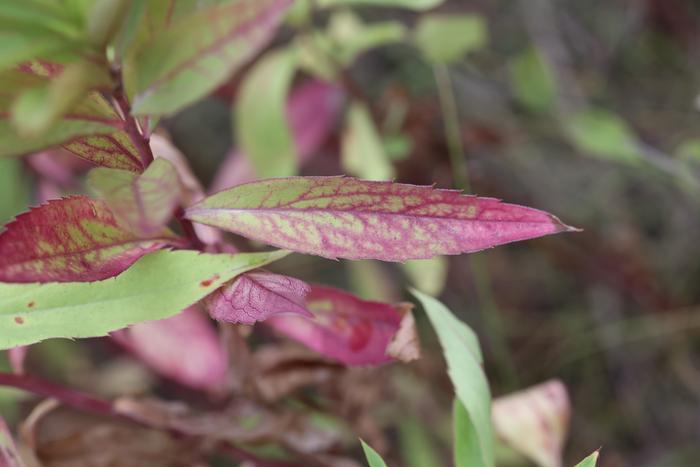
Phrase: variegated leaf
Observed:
(339, 217)
(535, 422)
(144, 202)
(71, 239)
(92, 130)
(343, 327)
(256, 296)
(197, 52)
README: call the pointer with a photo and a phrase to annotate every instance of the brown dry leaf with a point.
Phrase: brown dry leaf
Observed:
(105, 445)
(240, 422)
(535, 422)
(282, 370)
(405, 346)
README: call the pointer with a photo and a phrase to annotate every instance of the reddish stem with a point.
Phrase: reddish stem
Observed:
(89, 403)
(140, 141)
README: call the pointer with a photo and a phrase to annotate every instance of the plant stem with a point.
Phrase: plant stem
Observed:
(490, 313)
(140, 141)
(132, 129)
(92, 404)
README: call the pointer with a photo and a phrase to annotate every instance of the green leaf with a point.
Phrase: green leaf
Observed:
(533, 83)
(260, 116)
(417, 446)
(590, 461)
(603, 134)
(92, 129)
(37, 109)
(467, 452)
(158, 286)
(198, 52)
(362, 147)
(418, 5)
(144, 202)
(446, 39)
(464, 362)
(351, 37)
(15, 190)
(427, 275)
(373, 458)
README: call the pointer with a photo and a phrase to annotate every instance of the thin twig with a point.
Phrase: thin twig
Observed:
(94, 405)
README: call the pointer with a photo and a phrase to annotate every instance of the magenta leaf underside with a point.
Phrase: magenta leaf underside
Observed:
(256, 296)
(343, 327)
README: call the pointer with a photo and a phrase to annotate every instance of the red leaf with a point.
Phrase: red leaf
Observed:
(343, 327)
(184, 348)
(71, 239)
(256, 296)
(340, 217)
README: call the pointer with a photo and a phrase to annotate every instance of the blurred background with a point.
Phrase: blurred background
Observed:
(588, 110)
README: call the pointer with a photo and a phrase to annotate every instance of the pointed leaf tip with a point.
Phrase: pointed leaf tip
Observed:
(343, 217)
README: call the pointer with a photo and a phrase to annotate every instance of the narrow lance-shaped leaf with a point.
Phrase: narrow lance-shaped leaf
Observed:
(362, 147)
(535, 422)
(259, 115)
(92, 130)
(72, 239)
(343, 327)
(204, 365)
(373, 457)
(158, 286)
(590, 461)
(144, 202)
(196, 53)
(339, 217)
(464, 364)
(256, 296)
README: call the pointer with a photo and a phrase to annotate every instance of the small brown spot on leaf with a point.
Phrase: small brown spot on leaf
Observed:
(210, 281)
(30, 305)
(19, 320)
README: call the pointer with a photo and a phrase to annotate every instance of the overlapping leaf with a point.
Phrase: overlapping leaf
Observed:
(311, 113)
(145, 202)
(259, 115)
(92, 129)
(159, 344)
(472, 410)
(343, 327)
(338, 217)
(196, 53)
(256, 296)
(535, 422)
(71, 239)
(590, 461)
(158, 286)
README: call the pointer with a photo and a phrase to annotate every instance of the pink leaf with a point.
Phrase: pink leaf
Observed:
(311, 111)
(17, 355)
(71, 239)
(339, 217)
(535, 422)
(145, 202)
(343, 327)
(184, 348)
(9, 456)
(256, 296)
